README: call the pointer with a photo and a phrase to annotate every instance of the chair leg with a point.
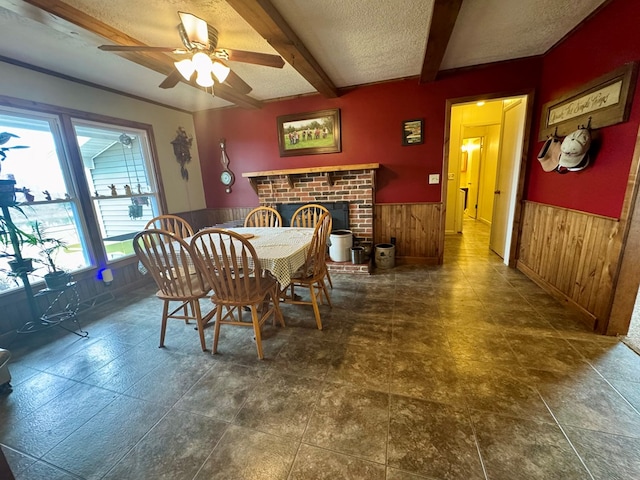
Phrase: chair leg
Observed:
(216, 329)
(256, 330)
(326, 292)
(195, 305)
(163, 328)
(185, 312)
(276, 306)
(329, 279)
(314, 302)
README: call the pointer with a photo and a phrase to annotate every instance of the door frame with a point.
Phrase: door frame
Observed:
(517, 215)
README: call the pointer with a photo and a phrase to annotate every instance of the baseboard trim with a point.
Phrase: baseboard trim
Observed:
(588, 318)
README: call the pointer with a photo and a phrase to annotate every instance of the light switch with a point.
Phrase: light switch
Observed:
(452, 176)
(434, 178)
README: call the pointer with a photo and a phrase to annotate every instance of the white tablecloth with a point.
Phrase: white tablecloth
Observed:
(281, 250)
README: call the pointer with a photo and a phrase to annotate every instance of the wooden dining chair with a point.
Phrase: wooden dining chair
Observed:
(263, 217)
(307, 216)
(233, 270)
(169, 260)
(311, 274)
(171, 223)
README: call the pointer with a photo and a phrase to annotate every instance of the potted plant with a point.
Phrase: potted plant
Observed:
(56, 278)
(7, 184)
(14, 237)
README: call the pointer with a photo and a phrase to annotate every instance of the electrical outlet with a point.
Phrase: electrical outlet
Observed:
(393, 240)
(434, 178)
(452, 176)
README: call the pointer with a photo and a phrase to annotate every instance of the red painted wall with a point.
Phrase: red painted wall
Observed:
(606, 42)
(371, 118)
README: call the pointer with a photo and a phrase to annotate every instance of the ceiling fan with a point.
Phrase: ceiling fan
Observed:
(207, 62)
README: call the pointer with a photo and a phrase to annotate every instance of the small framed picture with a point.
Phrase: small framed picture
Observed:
(413, 132)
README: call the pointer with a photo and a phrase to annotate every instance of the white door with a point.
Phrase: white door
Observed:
(508, 169)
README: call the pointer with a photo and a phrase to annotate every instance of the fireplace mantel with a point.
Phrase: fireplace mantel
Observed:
(328, 170)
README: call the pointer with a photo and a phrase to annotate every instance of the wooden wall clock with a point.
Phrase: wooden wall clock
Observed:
(226, 177)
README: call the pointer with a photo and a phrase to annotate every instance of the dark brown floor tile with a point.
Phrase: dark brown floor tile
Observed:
(535, 450)
(280, 404)
(607, 456)
(395, 474)
(435, 378)
(246, 454)
(425, 338)
(175, 448)
(613, 361)
(629, 390)
(18, 462)
(309, 358)
(171, 378)
(545, 353)
(498, 389)
(351, 421)
(314, 463)
(88, 360)
(360, 366)
(41, 470)
(31, 394)
(586, 400)
(483, 344)
(94, 448)
(433, 440)
(221, 391)
(48, 425)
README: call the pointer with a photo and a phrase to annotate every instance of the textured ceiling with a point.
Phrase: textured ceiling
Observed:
(354, 41)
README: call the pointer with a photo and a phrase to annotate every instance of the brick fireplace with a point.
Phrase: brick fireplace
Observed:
(354, 184)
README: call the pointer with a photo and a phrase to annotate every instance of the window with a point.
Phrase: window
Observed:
(46, 193)
(66, 187)
(117, 172)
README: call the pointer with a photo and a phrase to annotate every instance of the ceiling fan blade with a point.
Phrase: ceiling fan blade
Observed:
(255, 58)
(238, 84)
(172, 80)
(195, 29)
(141, 48)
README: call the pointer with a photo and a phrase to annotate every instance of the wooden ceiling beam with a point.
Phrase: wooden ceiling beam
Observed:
(263, 17)
(61, 16)
(443, 19)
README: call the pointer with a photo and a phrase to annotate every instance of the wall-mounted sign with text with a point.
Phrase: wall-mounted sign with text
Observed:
(607, 100)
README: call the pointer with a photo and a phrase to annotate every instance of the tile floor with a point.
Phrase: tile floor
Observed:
(461, 371)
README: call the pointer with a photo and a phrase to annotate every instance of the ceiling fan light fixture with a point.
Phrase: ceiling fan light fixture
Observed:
(204, 79)
(196, 29)
(186, 68)
(220, 70)
(201, 62)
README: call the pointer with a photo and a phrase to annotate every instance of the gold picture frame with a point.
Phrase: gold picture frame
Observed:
(605, 100)
(309, 133)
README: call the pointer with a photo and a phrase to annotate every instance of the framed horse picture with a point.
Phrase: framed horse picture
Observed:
(309, 133)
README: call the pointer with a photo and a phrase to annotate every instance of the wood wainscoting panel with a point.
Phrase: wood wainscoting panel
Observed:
(572, 254)
(415, 226)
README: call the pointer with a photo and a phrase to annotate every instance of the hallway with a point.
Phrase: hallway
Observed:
(462, 371)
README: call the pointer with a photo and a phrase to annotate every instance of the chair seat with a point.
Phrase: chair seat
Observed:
(303, 272)
(196, 292)
(251, 295)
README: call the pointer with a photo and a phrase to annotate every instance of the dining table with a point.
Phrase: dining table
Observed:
(281, 250)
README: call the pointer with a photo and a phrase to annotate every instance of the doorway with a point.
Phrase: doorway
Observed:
(484, 167)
